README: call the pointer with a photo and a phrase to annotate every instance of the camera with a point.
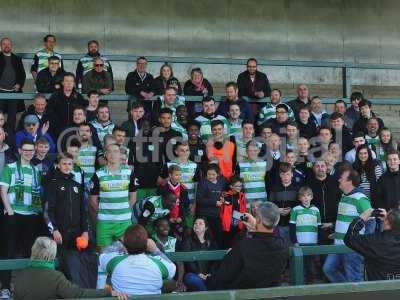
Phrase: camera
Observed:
(376, 213)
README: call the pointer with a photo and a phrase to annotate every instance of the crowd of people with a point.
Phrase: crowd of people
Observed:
(179, 175)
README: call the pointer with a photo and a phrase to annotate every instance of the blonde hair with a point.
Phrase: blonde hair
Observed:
(305, 190)
(44, 248)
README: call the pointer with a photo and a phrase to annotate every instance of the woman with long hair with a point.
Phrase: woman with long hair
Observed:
(386, 144)
(166, 79)
(369, 169)
(198, 271)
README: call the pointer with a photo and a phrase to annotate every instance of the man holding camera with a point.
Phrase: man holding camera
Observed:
(381, 250)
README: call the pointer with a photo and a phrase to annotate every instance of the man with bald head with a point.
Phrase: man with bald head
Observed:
(12, 79)
(303, 99)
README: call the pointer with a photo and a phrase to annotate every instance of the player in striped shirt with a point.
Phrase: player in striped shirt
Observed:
(269, 111)
(253, 171)
(352, 204)
(87, 153)
(113, 193)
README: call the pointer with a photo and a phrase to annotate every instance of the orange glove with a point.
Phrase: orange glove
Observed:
(81, 243)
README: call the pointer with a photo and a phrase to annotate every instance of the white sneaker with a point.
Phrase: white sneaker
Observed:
(5, 294)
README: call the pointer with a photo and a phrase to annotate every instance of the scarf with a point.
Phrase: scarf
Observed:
(42, 264)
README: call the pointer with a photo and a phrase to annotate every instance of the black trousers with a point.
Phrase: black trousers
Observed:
(18, 235)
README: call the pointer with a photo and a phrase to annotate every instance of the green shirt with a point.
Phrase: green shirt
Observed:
(205, 126)
(188, 172)
(307, 220)
(169, 245)
(23, 183)
(87, 161)
(269, 112)
(43, 62)
(253, 174)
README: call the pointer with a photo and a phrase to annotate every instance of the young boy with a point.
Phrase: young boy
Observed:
(42, 159)
(304, 225)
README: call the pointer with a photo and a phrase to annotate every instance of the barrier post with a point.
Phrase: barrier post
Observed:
(296, 266)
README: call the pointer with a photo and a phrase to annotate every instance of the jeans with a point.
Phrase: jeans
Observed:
(194, 282)
(283, 232)
(344, 267)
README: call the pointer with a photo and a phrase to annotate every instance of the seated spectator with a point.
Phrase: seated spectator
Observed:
(41, 281)
(231, 95)
(220, 150)
(233, 207)
(253, 83)
(40, 109)
(139, 84)
(365, 114)
(103, 124)
(181, 121)
(369, 169)
(196, 145)
(86, 63)
(304, 227)
(97, 79)
(372, 135)
(269, 110)
(284, 195)
(161, 237)
(303, 99)
(12, 80)
(166, 79)
(63, 102)
(358, 139)
(318, 115)
(32, 132)
(207, 116)
(340, 133)
(133, 125)
(258, 260)
(388, 185)
(49, 79)
(41, 58)
(279, 123)
(168, 99)
(353, 112)
(143, 270)
(305, 125)
(200, 240)
(91, 109)
(197, 85)
(208, 200)
(380, 250)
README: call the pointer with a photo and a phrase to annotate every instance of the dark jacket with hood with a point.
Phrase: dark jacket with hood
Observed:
(388, 191)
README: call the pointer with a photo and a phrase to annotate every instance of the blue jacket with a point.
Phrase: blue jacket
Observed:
(23, 134)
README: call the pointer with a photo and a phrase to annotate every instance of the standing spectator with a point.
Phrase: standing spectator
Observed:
(269, 110)
(318, 115)
(273, 155)
(253, 83)
(196, 146)
(139, 84)
(340, 133)
(20, 193)
(197, 85)
(304, 228)
(32, 132)
(306, 126)
(133, 125)
(41, 58)
(208, 115)
(168, 99)
(63, 102)
(161, 237)
(43, 160)
(340, 107)
(388, 185)
(232, 96)
(303, 99)
(241, 142)
(12, 79)
(86, 63)
(386, 144)
(200, 240)
(372, 135)
(91, 109)
(208, 200)
(279, 123)
(284, 195)
(358, 140)
(253, 171)
(298, 173)
(259, 259)
(68, 218)
(9, 133)
(181, 122)
(88, 152)
(353, 112)
(369, 169)
(98, 79)
(326, 198)
(347, 267)
(112, 196)
(166, 79)
(235, 123)
(40, 110)
(321, 144)
(292, 135)
(49, 79)
(6, 154)
(365, 114)
(103, 124)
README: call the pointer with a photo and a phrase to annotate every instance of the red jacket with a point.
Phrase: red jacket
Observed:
(179, 208)
(227, 210)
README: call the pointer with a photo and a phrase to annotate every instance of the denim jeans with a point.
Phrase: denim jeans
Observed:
(344, 267)
(194, 282)
(283, 232)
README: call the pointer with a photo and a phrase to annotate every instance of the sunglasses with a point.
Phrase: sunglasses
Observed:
(98, 65)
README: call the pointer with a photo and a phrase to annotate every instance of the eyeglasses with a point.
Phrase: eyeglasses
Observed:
(98, 65)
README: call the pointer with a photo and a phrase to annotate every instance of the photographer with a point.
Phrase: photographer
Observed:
(381, 250)
(256, 261)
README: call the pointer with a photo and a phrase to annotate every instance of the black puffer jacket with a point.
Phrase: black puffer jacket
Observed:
(388, 191)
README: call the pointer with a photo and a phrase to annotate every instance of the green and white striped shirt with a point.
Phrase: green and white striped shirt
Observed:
(43, 57)
(205, 126)
(307, 220)
(372, 141)
(269, 112)
(253, 174)
(188, 171)
(113, 191)
(169, 245)
(23, 183)
(87, 63)
(235, 128)
(103, 130)
(350, 207)
(87, 161)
